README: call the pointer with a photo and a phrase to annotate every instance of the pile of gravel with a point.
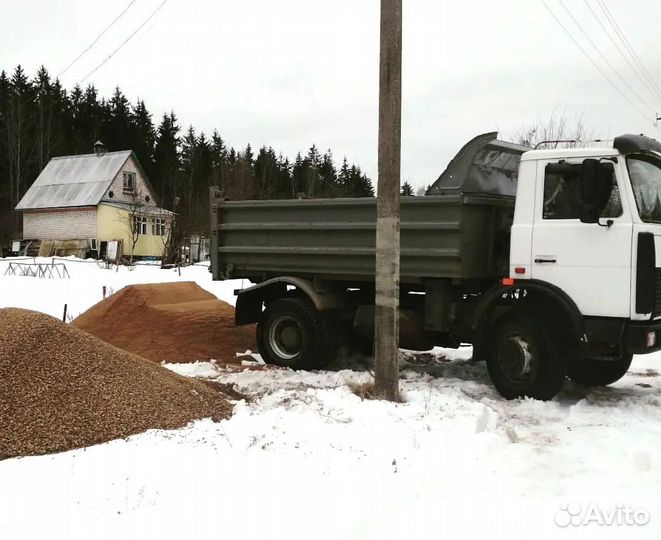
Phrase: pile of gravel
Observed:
(171, 322)
(62, 388)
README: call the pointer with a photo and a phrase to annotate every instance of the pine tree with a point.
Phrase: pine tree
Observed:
(407, 190)
(328, 176)
(245, 174)
(204, 162)
(166, 161)
(219, 161)
(44, 103)
(142, 136)
(266, 170)
(313, 160)
(343, 178)
(119, 118)
(299, 176)
(87, 122)
(20, 129)
(285, 183)
(6, 214)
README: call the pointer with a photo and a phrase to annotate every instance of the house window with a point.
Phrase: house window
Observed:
(158, 227)
(139, 225)
(129, 182)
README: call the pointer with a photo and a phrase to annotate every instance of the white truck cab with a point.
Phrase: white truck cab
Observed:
(588, 221)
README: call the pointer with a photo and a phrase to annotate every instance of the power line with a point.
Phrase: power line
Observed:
(126, 40)
(603, 57)
(97, 38)
(626, 43)
(643, 114)
(633, 68)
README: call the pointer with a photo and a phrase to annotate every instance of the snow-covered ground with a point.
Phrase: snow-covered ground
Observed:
(305, 458)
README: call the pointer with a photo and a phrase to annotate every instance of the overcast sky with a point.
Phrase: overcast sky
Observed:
(290, 73)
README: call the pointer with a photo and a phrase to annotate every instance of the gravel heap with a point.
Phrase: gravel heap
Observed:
(172, 322)
(62, 388)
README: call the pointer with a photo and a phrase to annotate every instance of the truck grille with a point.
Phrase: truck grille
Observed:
(657, 293)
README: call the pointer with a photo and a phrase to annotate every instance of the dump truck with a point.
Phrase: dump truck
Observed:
(547, 261)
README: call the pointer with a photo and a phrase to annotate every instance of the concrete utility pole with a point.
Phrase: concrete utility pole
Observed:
(386, 352)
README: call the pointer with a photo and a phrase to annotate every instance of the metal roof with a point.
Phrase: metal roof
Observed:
(74, 181)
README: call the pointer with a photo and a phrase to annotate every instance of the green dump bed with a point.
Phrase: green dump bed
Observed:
(442, 236)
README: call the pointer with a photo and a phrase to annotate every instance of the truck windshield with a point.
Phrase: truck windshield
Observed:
(645, 174)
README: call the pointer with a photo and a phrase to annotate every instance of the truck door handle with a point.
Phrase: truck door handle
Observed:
(545, 260)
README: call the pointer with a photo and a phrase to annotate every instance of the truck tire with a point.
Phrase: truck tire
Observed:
(598, 372)
(293, 334)
(525, 357)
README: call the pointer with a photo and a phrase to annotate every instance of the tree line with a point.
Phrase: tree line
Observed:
(39, 119)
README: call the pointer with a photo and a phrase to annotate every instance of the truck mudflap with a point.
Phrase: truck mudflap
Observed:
(249, 301)
(643, 337)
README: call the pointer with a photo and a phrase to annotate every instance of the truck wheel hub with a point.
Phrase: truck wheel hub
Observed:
(286, 337)
(516, 359)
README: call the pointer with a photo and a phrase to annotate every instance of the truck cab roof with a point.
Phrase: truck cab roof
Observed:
(586, 152)
(487, 165)
(624, 144)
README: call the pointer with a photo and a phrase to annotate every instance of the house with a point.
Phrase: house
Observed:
(98, 198)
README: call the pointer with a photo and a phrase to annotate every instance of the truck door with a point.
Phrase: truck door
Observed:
(591, 262)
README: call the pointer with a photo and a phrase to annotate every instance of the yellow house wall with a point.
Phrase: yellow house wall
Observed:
(114, 224)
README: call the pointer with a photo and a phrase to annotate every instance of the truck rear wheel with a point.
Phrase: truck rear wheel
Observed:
(525, 358)
(293, 334)
(598, 372)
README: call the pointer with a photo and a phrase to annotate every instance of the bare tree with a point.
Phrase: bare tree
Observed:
(558, 131)
(136, 218)
(170, 237)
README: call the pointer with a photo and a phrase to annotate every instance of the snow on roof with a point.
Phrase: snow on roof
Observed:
(74, 181)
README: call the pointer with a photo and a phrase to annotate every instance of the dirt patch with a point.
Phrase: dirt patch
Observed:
(62, 388)
(363, 390)
(228, 389)
(171, 322)
(368, 390)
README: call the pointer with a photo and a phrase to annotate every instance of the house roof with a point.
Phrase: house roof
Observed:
(75, 180)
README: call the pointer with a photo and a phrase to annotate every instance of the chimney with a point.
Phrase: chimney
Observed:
(99, 149)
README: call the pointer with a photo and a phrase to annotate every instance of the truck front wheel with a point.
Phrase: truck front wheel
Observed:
(292, 333)
(525, 358)
(598, 372)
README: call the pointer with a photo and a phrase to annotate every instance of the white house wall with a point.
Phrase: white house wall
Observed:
(65, 224)
(117, 186)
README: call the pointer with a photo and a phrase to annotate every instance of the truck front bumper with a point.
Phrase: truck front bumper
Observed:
(643, 338)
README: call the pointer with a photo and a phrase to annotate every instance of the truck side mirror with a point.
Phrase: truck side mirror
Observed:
(596, 187)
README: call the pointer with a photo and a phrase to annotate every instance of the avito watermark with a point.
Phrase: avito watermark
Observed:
(573, 514)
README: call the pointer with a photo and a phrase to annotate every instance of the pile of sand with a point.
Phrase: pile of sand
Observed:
(62, 388)
(172, 322)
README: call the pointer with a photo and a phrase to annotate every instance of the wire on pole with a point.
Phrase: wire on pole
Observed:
(160, 6)
(97, 39)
